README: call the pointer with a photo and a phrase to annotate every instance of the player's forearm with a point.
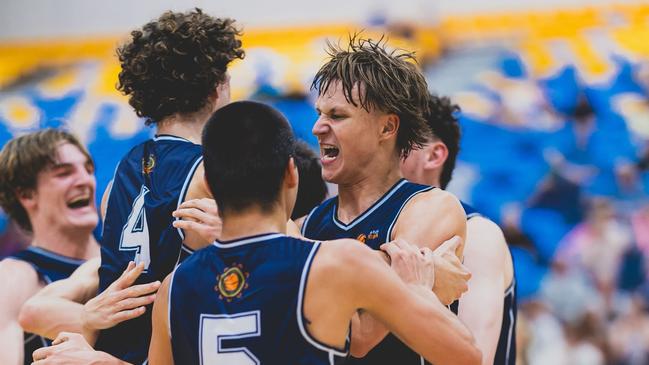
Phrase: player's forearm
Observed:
(48, 316)
(452, 342)
(367, 332)
(11, 337)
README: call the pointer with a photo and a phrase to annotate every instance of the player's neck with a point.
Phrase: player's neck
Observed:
(187, 126)
(252, 222)
(355, 198)
(78, 245)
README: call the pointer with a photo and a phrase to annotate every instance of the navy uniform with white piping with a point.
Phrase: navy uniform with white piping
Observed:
(241, 302)
(49, 267)
(150, 182)
(506, 350)
(373, 227)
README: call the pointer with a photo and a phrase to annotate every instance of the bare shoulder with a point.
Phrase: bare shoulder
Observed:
(430, 218)
(434, 204)
(18, 278)
(485, 239)
(344, 255)
(12, 270)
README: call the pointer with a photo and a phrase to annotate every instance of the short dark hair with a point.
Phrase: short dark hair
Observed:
(443, 122)
(173, 64)
(21, 160)
(390, 81)
(312, 189)
(246, 149)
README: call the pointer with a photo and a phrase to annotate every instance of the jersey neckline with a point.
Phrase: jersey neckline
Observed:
(170, 137)
(369, 210)
(247, 240)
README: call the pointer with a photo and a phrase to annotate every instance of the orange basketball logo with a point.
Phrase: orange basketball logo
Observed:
(362, 237)
(231, 283)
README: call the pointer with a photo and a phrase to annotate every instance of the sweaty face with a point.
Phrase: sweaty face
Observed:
(348, 136)
(65, 192)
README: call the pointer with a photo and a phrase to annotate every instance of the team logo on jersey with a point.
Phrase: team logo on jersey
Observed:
(374, 234)
(362, 237)
(148, 164)
(231, 282)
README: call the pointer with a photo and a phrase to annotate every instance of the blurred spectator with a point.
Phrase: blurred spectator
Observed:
(597, 246)
(547, 344)
(583, 344)
(629, 335)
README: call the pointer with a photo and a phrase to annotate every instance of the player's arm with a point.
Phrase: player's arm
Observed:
(59, 306)
(18, 281)
(367, 332)
(431, 218)
(410, 311)
(198, 214)
(72, 349)
(160, 347)
(481, 308)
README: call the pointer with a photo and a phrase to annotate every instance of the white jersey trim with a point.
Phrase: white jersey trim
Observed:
(388, 236)
(299, 309)
(246, 241)
(374, 207)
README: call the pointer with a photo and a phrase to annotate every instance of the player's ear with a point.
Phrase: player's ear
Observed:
(436, 155)
(291, 176)
(390, 126)
(27, 198)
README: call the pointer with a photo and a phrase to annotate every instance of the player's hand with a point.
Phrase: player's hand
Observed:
(414, 266)
(71, 349)
(200, 216)
(451, 275)
(120, 301)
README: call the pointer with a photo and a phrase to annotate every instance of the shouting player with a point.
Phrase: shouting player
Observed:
(371, 107)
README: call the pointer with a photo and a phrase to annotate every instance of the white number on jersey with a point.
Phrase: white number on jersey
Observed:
(215, 328)
(135, 234)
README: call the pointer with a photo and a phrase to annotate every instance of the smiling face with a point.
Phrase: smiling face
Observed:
(349, 136)
(64, 197)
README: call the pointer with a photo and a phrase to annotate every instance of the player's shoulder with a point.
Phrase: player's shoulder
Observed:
(343, 253)
(17, 268)
(18, 276)
(489, 238)
(433, 200)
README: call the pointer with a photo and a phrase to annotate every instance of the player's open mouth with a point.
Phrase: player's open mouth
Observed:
(329, 152)
(79, 202)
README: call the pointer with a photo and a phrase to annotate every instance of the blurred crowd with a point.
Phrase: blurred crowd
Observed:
(562, 166)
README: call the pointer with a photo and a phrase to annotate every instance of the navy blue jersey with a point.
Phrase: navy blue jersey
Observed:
(241, 302)
(374, 227)
(50, 267)
(506, 350)
(150, 183)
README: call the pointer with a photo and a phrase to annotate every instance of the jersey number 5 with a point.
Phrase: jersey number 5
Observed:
(135, 234)
(216, 328)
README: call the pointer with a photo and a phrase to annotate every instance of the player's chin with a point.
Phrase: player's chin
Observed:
(86, 221)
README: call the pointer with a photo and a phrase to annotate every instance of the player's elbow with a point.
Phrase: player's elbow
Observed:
(359, 347)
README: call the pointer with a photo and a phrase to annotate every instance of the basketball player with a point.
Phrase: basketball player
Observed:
(47, 186)
(371, 108)
(259, 296)
(174, 71)
(489, 307)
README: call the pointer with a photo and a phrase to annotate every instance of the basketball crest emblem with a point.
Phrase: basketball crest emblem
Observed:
(231, 283)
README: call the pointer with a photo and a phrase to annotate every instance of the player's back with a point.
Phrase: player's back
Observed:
(50, 267)
(149, 184)
(241, 302)
(373, 227)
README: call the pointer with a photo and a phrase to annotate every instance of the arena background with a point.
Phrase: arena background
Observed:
(555, 127)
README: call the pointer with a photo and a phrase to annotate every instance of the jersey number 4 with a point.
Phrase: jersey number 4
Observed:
(135, 234)
(216, 328)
